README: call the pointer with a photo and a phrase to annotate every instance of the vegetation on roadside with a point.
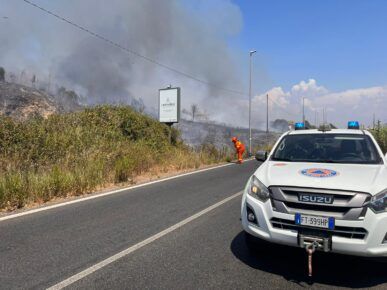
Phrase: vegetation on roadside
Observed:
(76, 153)
(380, 134)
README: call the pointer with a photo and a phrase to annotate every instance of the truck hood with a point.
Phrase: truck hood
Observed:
(352, 177)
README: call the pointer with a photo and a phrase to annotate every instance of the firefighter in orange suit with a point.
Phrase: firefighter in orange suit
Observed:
(240, 148)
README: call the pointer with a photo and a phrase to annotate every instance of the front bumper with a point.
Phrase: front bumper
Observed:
(370, 246)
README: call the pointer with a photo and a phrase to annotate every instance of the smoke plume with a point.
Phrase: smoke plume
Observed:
(191, 36)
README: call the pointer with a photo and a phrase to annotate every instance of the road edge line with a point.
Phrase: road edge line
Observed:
(103, 194)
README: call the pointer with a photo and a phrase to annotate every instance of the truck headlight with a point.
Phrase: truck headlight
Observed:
(379, 202)
(258, 190)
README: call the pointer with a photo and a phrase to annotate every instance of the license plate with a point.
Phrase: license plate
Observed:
(315, 221)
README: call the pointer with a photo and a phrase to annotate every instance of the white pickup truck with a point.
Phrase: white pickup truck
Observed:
(322, 187)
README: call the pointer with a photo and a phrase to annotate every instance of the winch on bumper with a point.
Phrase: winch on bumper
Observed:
(364, 237)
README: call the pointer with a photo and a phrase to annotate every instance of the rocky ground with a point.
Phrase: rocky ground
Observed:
(21, 102)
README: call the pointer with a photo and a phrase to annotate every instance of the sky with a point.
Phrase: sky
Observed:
(340, 43)
(333, 53)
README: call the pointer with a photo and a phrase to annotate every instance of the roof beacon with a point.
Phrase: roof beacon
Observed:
(353, 125)
(299, 126)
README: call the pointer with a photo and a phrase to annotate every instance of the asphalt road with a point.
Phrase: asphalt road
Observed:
(45, 248)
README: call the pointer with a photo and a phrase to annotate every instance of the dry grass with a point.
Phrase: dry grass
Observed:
(74, 154)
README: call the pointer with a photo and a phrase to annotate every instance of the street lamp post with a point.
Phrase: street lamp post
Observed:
(251, 54)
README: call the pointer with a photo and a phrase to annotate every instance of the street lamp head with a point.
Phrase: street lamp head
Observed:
(252, 52)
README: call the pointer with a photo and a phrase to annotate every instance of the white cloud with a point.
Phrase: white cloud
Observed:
(355, 96)
(277, 96)
(308, 88)
(358, 104)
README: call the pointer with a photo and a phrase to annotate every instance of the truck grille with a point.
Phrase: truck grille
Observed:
(346, 205)
(344, 232)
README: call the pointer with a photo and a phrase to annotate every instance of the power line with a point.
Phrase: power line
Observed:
(121, 47)
(135, 53)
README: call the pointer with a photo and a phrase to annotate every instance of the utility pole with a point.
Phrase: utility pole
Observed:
(303, 110)
(49, 82)
(315, 119)
(267, 122)
(373, 123)
(251, 54)
(323, 115)
(267, 114)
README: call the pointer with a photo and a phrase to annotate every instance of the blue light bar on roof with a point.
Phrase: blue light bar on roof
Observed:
(299, 126)
(353, 125)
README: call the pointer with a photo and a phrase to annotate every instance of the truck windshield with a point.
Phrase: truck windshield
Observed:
(327, 148)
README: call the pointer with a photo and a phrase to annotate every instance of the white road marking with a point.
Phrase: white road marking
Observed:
(135, 247)
(28, 212)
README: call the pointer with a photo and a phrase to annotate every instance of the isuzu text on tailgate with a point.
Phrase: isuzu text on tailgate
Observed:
(322, 189)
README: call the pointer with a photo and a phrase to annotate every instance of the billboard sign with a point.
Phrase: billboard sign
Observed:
(169, 105)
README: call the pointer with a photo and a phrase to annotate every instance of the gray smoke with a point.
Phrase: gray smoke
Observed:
(191, 36)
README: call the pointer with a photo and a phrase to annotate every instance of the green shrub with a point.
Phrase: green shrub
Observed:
(124, 169)
(75, 153)
(380, 134)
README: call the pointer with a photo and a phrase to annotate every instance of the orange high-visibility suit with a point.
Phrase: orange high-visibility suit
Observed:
(240, 149)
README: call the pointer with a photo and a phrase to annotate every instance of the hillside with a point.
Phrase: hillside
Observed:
(76, 153)
(21, 102)
(197, 133)
(52, 147)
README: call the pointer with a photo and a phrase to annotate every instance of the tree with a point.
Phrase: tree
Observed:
(280, 124)
(203, 115)
(138, 105)
(196, 113)
(2, 74)
(22, 76)
(13, 78)
(68, 99)
(194, 110)
(308, 125)
(332, 126)
(33, 81)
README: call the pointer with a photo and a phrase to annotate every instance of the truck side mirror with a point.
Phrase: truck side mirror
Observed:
(261, 156)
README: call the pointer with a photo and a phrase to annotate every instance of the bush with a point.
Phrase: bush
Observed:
(124, 169)
(75, 153)
(380, 134)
